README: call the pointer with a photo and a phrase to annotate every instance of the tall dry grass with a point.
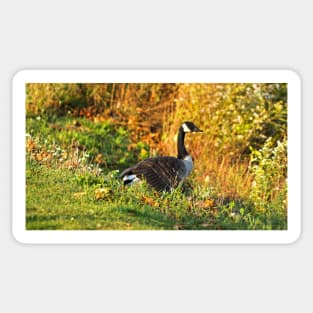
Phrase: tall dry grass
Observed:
(235, 118)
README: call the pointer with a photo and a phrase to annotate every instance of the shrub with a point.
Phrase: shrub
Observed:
(269, 167)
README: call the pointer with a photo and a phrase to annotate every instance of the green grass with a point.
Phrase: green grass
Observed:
(105, 143)
(66, 189)
(59, 198)
(56, 199)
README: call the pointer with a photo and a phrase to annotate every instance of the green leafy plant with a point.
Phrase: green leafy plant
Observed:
(269, 167)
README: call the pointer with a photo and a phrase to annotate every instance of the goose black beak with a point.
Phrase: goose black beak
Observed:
(198, 130)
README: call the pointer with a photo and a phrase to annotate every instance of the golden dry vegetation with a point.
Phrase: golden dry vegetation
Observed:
(240, 158)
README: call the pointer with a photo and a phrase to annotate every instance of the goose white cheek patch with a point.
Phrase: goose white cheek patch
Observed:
(74, 163)
(186, 128)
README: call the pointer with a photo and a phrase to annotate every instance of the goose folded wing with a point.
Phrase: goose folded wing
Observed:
(161, 173)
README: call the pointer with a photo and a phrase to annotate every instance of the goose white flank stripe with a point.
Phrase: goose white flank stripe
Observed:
(164, 173)
(130, 179)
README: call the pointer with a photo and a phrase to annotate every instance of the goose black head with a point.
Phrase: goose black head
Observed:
(190, 127)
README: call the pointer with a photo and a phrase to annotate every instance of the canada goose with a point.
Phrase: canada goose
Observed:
(164, 173)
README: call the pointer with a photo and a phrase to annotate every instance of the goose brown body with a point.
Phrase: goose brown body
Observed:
(164, 173)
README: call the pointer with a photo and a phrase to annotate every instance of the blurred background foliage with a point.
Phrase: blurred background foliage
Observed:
(241, 154)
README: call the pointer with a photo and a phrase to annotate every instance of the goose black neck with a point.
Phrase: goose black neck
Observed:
(182, 152)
